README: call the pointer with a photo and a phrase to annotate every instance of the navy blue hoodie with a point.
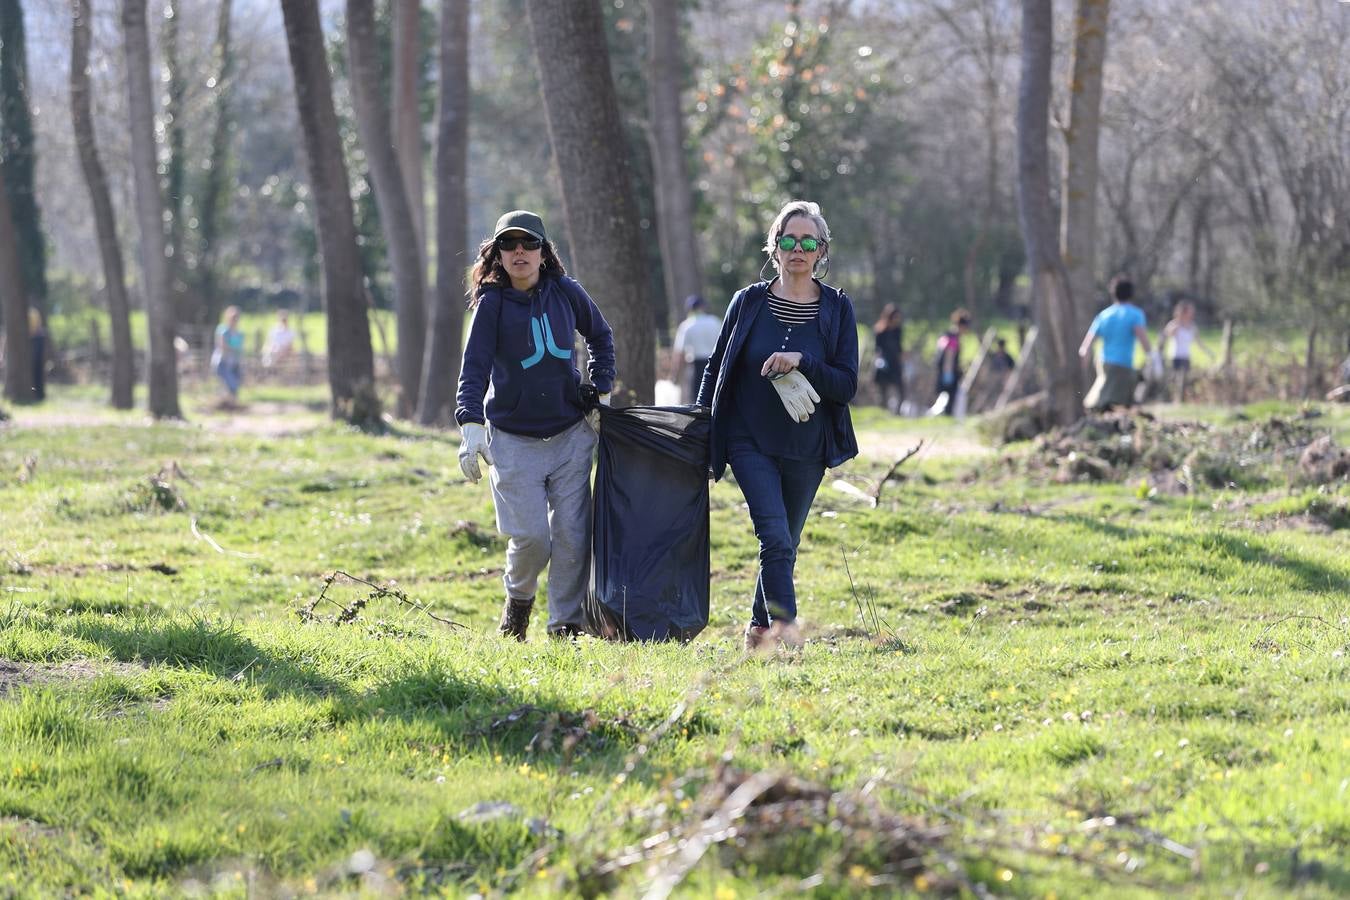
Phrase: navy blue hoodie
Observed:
(521, 343)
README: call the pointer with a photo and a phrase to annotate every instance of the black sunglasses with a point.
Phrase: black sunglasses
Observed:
(508, 244)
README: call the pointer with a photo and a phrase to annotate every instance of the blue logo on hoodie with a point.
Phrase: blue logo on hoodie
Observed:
(543, 340)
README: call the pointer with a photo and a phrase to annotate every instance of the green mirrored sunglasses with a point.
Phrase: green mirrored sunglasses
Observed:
(787, 243)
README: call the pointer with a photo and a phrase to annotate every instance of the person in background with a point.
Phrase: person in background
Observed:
(280, 341)
(949, 363)
(1000, 360)
(1119, 326)
(37, 336)
(778, 384)
(533, 431)
(694, 342)
(228, 354)
(1183, 334)
(889, 365)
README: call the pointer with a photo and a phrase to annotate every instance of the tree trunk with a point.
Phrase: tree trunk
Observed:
(175, 167)
(407, 130)
(16, 139)
(674, 204)
(162, 371)
(441, 369)
(1055, 312)
(14, 303)
(584, 128)
(400, 237)
(105, 223)
(351, 365)
(214, 186)
(1078, 229)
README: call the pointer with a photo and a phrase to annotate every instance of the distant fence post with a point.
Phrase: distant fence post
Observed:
(1226, 362)
(1310, 379)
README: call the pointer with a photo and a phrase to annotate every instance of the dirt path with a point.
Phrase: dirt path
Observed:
(888, 446)
(264, 419)
(274, 419)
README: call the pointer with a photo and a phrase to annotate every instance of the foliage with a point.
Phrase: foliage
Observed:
(1077, 689)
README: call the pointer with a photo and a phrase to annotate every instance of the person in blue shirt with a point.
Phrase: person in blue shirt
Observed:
(520, 409)
(778, 385)
(227, 358)
(1118, 326)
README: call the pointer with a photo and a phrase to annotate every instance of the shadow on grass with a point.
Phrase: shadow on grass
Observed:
(503, 720)
(464, 711)
(1246, 549)
(208, 647)
(1308, 575)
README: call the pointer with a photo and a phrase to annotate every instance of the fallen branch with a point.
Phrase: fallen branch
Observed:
(890, 473)
(350, 612)
(203, 536)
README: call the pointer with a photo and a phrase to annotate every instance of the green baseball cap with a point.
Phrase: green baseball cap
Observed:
(520, 220)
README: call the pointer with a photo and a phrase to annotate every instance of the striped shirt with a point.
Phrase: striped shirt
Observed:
(791, 313)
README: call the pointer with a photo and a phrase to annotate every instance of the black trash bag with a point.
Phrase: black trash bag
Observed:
(649, 563)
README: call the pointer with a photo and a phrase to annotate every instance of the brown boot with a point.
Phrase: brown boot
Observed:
(787, 634)
(756, 637)
(516, 617)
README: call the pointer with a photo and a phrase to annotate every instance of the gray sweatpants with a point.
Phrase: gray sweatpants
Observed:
(541, 488)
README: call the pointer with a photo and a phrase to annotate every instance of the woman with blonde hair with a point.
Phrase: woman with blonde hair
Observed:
(778, 385)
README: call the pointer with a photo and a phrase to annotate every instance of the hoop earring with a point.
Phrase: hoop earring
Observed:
(763, 267)
(821, 268)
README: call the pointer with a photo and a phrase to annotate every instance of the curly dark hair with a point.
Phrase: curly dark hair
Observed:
(487, 270)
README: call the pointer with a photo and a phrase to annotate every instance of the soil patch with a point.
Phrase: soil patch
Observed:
(15, 675)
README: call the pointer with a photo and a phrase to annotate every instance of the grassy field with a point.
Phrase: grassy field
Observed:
(1012, 684)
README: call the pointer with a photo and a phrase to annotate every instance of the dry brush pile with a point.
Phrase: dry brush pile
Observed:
(1181, 456)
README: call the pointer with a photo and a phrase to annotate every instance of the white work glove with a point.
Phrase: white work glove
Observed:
(473, 443)
(593, 417)
(799, 398)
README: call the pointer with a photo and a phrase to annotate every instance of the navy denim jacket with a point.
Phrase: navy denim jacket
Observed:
(835, 378)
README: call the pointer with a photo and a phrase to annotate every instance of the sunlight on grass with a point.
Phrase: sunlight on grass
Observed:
(1035, 686)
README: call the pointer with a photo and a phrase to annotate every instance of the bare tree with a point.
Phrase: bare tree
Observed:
(1078, 223)
(14, 304)
(18, 149)
(674, 204)
(1055, 311)
(400, 236)
(441, 369)
(105, 223)
(584, 128)
(211, 210)
(351, 364)
(407, 115)
(175, 162)
(162, 376)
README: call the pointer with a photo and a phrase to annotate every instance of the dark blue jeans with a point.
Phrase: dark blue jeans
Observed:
(779, 493)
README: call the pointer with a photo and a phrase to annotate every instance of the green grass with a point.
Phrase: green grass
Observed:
(1009, 659)
(73, 329)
